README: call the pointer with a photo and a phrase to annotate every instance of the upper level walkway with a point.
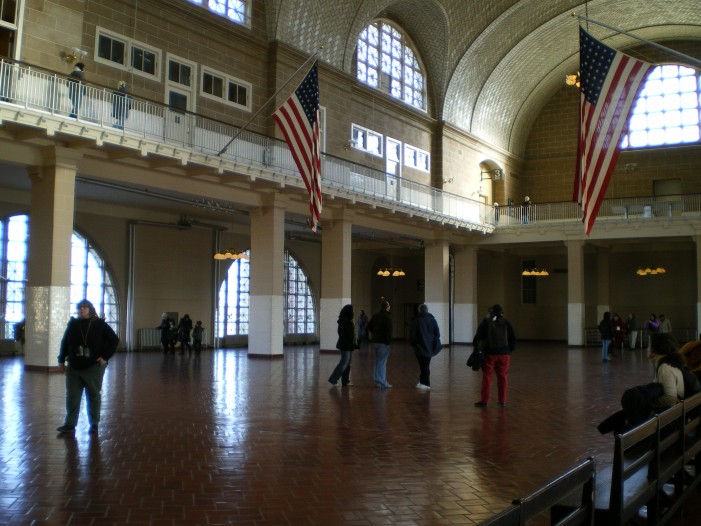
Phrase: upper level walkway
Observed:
(43, 100)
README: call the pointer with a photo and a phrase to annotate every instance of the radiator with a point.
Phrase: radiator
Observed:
(152, 338)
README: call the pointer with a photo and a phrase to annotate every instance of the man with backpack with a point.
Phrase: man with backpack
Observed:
(499, 341)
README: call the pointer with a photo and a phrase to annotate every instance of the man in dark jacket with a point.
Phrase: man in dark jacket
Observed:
(500, 339)
(87, 345)
(425, 338)
(380, 327)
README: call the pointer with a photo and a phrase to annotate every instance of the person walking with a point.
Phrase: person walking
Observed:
(164, 327)
(87, 345)
(121, 104)
(425, 338)
(606, 333)
(500, 338)
(76, 89)
(184, 329)
(380, 327)
(347, 342)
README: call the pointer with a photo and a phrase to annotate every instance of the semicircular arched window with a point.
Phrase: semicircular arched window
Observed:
(89, 275)
(668, 109)
(234, 300)
(386, 60)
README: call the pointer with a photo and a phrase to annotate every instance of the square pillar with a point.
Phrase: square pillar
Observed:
(437, 278)
(575, 292)
(266, 323)
(335, 278)
(465, 312)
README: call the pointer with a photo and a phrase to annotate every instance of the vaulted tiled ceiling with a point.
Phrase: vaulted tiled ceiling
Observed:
(491, 64)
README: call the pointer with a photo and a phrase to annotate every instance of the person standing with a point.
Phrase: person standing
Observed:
(500, 338)
(346, 344)
(380, 327)
(164, 327)
(87, 346)
(665, 325)
(632, 329)
(425, 338)
(197, 333)
(526, 207)
(669, 367)
(121, 104)
(362, 327)
(76, 89)
(606, 333)
(184, 329)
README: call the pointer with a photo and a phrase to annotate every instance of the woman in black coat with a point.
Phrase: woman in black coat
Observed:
(346, 344)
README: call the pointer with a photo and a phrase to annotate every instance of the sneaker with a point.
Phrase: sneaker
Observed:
(335, 384)
(480, 404)
(423, 386)
(349, 384)
(93, 429)
(65, 429)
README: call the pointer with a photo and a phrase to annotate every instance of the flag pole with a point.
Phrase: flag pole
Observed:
(265, 105)
(691, 60)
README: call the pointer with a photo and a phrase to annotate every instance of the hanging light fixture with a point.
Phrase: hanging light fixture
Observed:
(651, 270)
(389, 271)
(231, 253)
(535, 272)
(572, 79)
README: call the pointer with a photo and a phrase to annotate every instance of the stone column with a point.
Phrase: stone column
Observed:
(47, 302)
(437, 278)
(603, 301)
(335, 276)
(466, 318)
(697, 239)
(266, 318)
(575, 292)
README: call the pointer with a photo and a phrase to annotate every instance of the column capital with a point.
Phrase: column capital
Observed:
(62, 157)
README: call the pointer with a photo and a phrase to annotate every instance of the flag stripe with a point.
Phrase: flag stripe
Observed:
(298, 119)
(609, 85)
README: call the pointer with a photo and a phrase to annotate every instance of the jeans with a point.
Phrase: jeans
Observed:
(424, 366)
(343, 369)
(90, 381)
(380, 372)
(633, 339)
(500, 364)
(605, 350)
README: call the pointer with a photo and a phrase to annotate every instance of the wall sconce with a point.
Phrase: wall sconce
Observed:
(572, 79)
(447, 181)
(497, 174)
(350, 144)
(69, 57)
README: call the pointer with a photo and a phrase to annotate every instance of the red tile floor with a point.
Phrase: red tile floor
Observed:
(227, 439)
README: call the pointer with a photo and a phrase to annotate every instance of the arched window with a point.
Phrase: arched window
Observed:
(91, 280)
(234, 296)
(234, 10)
(667, 111)
(89, 276)
(299, 300)
(386, 61)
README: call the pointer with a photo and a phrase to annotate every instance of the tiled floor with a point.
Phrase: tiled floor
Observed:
(224, 439)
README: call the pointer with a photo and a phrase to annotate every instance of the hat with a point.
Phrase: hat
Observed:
(80, 66)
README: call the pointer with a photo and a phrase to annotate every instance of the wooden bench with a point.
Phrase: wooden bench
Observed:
(575, 486)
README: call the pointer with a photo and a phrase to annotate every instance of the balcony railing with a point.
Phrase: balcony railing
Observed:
(27, 87)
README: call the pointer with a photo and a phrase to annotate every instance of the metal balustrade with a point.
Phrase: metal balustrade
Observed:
(26, 87)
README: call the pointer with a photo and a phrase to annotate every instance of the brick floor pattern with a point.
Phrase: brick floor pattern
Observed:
(227, 439)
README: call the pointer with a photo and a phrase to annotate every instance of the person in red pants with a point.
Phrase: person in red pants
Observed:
(499, 341)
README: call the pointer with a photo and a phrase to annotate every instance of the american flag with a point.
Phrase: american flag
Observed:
(298, 119)
(609, 82)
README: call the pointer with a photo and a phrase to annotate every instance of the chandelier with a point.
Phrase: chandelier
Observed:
(394, 272)
(535, 272)
(651, 270)
(572, 79)
(231, 253)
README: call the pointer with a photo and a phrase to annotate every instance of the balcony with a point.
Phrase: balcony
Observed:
(39, 99)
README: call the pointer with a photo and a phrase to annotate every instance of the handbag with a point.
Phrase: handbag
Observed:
(476, 359)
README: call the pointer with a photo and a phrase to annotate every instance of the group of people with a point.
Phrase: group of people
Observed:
(614, 331)
(495, 335)
(121, 100)
(677, 376)
(171, 334)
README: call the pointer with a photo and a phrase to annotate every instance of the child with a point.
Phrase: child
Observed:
(197, 337)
